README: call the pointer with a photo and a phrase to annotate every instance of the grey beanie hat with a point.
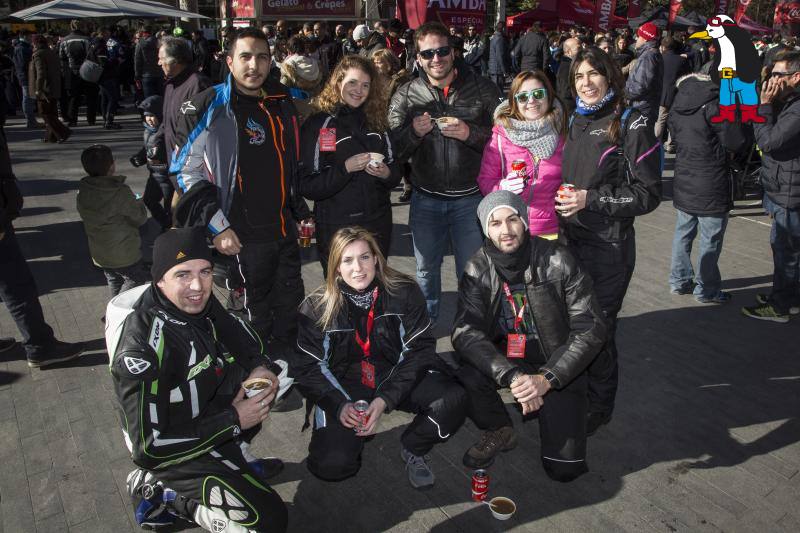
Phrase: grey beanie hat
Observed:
(497, 199)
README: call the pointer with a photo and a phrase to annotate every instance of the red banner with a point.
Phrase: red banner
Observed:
(674, 9)
(310, 9)
(459, 13)
(741, 8)
(787, 17)
(721, 7)
(634, 8)
(603, 13)
(243, 9)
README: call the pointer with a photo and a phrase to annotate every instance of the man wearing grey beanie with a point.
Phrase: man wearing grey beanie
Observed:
(527, 319)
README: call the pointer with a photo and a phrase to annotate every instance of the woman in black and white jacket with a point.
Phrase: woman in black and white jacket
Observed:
(347, 185)
(366, 335)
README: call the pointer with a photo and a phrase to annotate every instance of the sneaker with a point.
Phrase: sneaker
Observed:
(762, 299)
(595, 420)
(491, 443)
(420, 474)
(7, 343)
(720, 298)
(686, 289)
(765, 312)
(57, 353)
(267, 468)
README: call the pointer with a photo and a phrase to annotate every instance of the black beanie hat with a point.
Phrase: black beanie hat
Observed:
(177, 246)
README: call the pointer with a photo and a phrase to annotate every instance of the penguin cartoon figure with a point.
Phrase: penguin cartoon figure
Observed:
(736, 67)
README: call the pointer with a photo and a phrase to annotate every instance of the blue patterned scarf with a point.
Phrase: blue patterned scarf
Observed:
(588, 109)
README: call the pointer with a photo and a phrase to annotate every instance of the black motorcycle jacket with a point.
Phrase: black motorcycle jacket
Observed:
(560, 301)
(166, 369)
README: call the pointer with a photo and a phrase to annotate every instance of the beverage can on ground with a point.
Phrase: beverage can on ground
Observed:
(480, 485)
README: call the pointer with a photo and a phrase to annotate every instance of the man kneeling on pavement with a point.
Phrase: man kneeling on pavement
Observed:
(527, 319)
(179, 360)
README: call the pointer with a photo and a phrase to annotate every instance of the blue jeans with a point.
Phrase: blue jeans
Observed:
(712, 231)
(28, 105)
(432, 222)
(730, 88)
(785, 240)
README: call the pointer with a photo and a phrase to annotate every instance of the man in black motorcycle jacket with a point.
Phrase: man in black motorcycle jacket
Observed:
(178, 363)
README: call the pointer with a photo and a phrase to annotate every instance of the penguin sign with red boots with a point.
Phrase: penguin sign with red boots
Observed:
(736, 67)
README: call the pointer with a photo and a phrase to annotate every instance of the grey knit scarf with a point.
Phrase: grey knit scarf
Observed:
(538, 136)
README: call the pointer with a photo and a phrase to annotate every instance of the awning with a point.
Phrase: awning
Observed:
(79, 9)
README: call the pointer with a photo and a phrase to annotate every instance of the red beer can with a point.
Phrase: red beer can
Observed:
(480, 485)
(565, 187)
(518, 166)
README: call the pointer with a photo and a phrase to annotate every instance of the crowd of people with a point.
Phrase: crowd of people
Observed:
(530, 158)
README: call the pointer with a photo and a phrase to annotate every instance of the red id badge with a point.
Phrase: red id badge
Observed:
(327, 139)
(367, 374)
(515, 346)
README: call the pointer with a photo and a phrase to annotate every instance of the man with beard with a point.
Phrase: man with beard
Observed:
(779, 140)
(445, 154)
(236, 164)
(527, 319)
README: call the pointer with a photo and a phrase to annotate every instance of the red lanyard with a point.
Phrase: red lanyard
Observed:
(370, 321)
(517, 314)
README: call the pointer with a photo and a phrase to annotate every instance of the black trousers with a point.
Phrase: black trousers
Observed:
(157, 198)
(562, 419)
(19, 292)
(273, 291)
(77, 88)
(438, 401)
(221, 486)
(610, 265)
(55, 129)
(380, 227)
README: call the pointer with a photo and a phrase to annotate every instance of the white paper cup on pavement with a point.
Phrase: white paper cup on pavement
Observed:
(255, 386)
(502, 508)
(375, 159)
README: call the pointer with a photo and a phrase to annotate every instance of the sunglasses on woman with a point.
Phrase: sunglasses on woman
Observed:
(428, 54)
(533, 94)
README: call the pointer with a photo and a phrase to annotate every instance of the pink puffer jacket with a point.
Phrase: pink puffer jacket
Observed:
(542, 217)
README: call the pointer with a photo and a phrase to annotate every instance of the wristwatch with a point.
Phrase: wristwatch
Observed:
(549, 376)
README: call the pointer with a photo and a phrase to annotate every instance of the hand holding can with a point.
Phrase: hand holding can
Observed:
(361, 407)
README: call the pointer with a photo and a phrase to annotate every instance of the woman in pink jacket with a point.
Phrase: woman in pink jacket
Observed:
(529, 127)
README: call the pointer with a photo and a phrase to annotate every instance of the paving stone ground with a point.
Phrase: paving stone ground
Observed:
(704, 437)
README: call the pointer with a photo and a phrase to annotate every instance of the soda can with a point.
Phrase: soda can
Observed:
(565, 187)
(361, 407)
(518, 166)
(480, 485)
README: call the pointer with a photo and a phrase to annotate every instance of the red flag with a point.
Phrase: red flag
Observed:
(721, 7)
(741, 7)
(787, 17)
(634, 8)
(674, 8)
(603, 11)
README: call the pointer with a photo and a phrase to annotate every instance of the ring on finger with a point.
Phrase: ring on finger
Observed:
(263, 404)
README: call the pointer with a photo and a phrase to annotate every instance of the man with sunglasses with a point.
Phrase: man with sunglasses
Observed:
(445, 154)
(779, 140)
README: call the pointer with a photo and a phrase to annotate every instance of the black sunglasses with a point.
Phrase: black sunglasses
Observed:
(441, 52)
(783, 74)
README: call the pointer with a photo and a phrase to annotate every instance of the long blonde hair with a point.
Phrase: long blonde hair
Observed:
(331, 299)
(555, 112)
(376, 104)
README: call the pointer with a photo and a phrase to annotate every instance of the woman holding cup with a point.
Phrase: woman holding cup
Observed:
(365, 337)
(347, 161)
(528, 133)
(613, 162)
